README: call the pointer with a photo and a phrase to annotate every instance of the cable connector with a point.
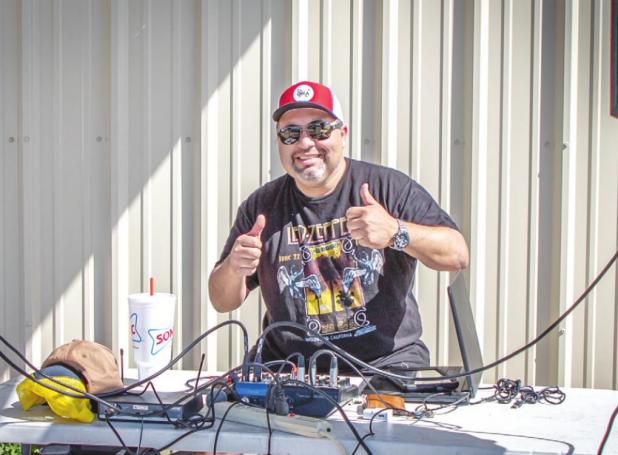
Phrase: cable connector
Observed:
(277, 401)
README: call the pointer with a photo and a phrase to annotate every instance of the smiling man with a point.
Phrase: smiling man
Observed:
(334, 243)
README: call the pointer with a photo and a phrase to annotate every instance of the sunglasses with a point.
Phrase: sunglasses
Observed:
(318, 130)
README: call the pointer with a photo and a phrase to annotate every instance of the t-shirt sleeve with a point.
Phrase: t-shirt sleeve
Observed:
(242, 225)
(417, 205)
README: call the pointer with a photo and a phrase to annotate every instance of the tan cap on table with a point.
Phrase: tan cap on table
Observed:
(95, 362)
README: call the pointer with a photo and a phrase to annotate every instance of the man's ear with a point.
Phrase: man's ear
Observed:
(344, 134)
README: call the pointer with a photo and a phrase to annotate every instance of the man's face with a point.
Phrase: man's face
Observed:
(316, 165)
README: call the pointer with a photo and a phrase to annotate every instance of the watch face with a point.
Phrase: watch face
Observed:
(401, 239)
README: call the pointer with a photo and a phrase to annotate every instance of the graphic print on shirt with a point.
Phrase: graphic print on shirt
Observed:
(331, 275)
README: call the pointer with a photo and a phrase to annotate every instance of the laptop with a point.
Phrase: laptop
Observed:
(450, 390)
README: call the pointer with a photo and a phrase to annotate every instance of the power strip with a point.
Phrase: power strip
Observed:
(301, 425)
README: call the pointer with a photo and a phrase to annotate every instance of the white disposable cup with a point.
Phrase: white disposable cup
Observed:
(151, 319)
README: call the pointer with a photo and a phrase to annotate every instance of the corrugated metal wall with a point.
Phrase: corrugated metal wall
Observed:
(131, 131)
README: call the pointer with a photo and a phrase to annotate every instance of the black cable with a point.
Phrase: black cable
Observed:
(608, 430)
(227, 411)
(173, 362)
(200, 425)
(191, 387)
(185, 434)
(183, 353)
(296, 354)
(506, 390)
(270, 431)
(550, 395)
(268, 370)
(358, 444)
(493, 364)
(339, 408)
(425, 411)
(313, 360)
(373, 417)
(360, 375)
(112, 407)
(282, 364)
(99, 398)
(164, 408)
(122, 443)
(80, 393)
(182, 436)
(364, 379)
(370, 432)
(141, 433)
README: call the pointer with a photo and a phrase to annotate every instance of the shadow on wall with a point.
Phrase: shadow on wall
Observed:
(107, 159)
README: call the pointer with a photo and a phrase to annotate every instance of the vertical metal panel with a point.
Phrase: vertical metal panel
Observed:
(491, 313)
(425, 149)
(601, 349)
(117, 323)
(371, 102)
(246, 131)
(278, 58)
(217, 189)
(209, 166)
(336, 41)
(458, 92)
(389, 82)
(134, 165)
(574, 184)
(35, 332)
(300, 39)
(96, 145)
(514, 197)
(184, 158)
(177, 84)
(444, 348)
(481, 217)
(355, 120)
(266, 127)
(11, 245)
(536, 139)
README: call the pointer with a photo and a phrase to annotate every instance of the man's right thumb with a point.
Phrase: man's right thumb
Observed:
(258, 227)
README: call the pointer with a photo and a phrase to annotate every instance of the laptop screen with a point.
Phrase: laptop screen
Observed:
(466, 331)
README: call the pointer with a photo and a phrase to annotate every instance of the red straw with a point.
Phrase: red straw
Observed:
(151, 286)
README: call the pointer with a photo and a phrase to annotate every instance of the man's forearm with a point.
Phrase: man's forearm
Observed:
(438, 247)
(227, 289)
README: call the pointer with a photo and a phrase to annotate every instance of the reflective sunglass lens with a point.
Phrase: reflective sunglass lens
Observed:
(318, 130)
(289, 134)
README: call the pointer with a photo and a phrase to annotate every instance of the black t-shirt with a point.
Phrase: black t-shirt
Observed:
(313, 273)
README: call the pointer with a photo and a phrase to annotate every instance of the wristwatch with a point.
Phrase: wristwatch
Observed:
(401, 239)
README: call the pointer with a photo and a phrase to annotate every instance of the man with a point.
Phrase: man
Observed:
(334, 243)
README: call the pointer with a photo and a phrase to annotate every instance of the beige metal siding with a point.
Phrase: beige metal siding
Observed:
(131, 132)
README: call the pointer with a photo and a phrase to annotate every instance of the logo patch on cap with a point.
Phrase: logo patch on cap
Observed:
(303, 93)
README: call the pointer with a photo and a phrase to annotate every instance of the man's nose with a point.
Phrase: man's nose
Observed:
(305, 140)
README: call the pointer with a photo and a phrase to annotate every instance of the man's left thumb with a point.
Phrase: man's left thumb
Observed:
(366, 196)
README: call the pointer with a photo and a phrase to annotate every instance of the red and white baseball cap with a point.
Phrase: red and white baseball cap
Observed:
(307, 94)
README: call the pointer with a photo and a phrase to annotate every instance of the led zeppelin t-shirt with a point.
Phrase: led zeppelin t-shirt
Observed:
(312, 272)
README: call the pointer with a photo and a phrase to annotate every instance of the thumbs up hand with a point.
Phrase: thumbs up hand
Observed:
(247, 250)
(371, 225)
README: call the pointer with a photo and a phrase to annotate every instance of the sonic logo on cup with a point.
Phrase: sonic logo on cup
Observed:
(160, 338)
(135, 336)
